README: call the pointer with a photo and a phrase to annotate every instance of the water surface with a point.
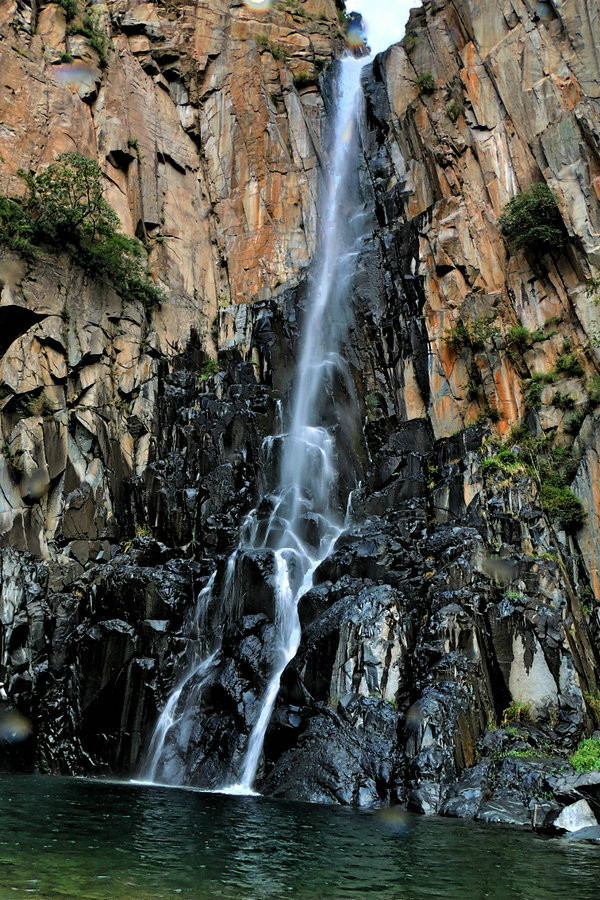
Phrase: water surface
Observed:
(72, 839)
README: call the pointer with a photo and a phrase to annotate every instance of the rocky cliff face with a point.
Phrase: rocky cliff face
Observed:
(207, 121)
(464, 593)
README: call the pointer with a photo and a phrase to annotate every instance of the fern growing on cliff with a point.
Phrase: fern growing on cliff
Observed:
(532, 219)
(66, 209)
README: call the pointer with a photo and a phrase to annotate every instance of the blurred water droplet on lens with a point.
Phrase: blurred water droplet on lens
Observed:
(35, 485)
(355, 35)
(74, 73)
(395, 819)
(259, 4)
(414, 716)
(14, 727)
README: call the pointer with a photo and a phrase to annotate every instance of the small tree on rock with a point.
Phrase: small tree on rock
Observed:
(532, 219)
(67, 200)
(66, 209)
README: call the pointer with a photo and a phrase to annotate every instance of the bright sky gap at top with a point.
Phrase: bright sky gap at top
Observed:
(385, 20)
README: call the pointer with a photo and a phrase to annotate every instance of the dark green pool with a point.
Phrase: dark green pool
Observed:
(86, 840)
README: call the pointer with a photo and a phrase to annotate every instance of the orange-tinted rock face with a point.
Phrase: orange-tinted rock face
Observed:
(515, 102)
(205, 141)
(206, 120)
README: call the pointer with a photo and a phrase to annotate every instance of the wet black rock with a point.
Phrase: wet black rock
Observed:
(347, 755)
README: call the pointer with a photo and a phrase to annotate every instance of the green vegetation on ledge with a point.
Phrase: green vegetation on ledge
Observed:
(71, 8)
(482, 333)
(475, 334)
(426, 83)
(567, 366)
(521, 338)
(454, 109)
(587, 756)
(88, 26)
(532, 219)
(518, 711)
(66, 210)
(553, 468)
(210, 368)
(276, 50)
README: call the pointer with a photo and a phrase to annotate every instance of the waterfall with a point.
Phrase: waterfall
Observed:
(196, 666)
(307, 491)
(300, 520)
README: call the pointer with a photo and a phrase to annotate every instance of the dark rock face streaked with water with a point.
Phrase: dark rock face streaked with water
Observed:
(452, 596)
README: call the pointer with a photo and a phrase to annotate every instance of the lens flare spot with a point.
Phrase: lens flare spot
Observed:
(259, 5)
(395, 820)
(75, 74)
(355, 34)
(14, 727)
(348, 133)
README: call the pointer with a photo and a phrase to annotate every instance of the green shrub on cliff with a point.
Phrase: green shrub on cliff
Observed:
(587, 755)
(66, 209)
(568, 364)
(561, 503)
(17, 229)
(521, 338)
(592, 289)
(519, 711)
(532, 219)
(553, 468)
(92, 31)
(477, 334)
(210, 368)
(302, 78)
(454, 109)
(504, 461)
(426, 83)
(554, 473)
(593, 390)
(71, 8)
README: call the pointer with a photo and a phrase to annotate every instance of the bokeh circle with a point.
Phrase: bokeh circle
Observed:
(259, 5)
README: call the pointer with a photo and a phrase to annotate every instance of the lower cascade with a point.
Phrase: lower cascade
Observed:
(297, 523)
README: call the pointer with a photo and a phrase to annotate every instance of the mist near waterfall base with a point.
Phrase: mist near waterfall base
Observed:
(385, 20)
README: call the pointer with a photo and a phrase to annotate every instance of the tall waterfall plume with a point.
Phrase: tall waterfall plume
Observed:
(299, 521)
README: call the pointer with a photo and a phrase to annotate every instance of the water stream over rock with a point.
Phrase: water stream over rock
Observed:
(298, 522)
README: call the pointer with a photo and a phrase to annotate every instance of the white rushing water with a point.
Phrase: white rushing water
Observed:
(307, 512)
(196, 666)
(307, 493)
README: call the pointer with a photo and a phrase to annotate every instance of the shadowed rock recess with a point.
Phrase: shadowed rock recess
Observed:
(451, 639)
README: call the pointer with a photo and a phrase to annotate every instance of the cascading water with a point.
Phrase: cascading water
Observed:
(306, 501)
(306, 512)
(195, 667)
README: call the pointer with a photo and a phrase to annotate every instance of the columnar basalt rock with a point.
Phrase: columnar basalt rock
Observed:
(451, 639)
